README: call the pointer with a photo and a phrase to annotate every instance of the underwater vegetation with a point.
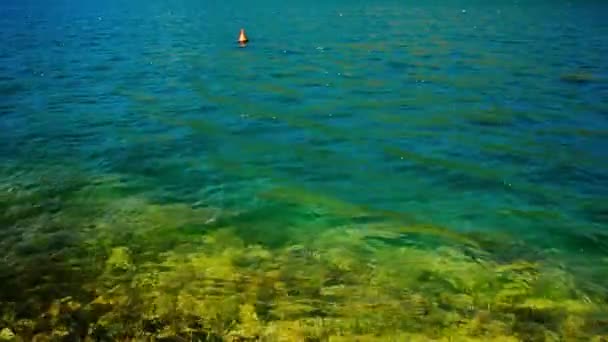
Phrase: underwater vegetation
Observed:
(93, 260)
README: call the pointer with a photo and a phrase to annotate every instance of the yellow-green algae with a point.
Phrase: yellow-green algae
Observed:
(142, 271)
(337, 288)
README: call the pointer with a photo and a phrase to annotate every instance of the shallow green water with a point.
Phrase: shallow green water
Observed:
(440, 164)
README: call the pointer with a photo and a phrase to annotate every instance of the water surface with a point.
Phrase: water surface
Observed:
(355, 161)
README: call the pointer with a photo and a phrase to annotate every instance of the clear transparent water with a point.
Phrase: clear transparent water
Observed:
(483, 120)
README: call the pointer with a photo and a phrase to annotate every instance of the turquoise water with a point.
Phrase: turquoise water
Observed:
(485, 121)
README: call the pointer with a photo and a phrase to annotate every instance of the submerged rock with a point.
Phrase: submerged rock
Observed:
(7, 335)
(578, 78)
(119, 260)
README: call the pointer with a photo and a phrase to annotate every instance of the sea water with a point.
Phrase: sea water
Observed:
(389, 170)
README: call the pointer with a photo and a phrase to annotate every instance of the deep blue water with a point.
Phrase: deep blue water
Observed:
(456, 112)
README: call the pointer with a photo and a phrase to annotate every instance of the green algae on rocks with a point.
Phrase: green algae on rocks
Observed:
(136, 270)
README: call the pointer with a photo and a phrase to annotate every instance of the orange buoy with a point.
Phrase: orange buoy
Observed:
(243, 37)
